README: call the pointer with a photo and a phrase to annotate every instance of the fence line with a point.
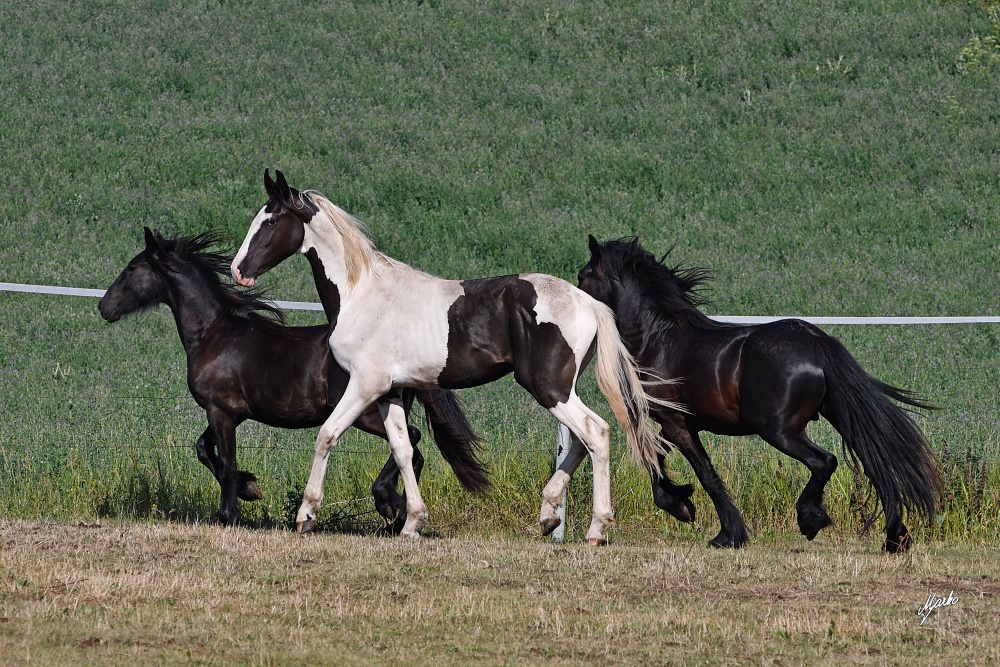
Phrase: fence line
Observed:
(731, 319)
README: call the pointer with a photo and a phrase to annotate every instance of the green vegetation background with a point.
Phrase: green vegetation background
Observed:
(838, 158)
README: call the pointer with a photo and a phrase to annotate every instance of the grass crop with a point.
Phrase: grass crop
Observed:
(828, 159)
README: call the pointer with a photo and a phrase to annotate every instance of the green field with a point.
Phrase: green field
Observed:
(836, 158)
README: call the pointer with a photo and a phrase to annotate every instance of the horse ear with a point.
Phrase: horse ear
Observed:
(150, 239)
(284, 192)
(269, 187)
(595, 249)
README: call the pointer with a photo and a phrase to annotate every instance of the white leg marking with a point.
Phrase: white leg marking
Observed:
(394, 418)
(552, 494)
(595, 433)
(348, 409)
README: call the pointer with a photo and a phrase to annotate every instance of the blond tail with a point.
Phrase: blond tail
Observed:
(618, 378)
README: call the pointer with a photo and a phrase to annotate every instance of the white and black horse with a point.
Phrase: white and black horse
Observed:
(398, 327)
(244, 363)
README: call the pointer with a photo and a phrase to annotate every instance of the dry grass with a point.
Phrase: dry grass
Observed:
(196, 594)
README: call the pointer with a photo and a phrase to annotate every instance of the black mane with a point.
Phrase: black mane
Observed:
(673, 293)
(240, 302)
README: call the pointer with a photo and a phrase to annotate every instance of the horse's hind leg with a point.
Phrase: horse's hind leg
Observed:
(812, 516)
(552, 494)
(596, 436)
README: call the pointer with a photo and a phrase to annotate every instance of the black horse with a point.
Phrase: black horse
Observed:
(770, 380)
(244, 363)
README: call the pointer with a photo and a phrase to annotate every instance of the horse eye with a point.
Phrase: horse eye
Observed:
(271, 222)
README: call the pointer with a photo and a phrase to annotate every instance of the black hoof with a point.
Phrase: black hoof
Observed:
(550, 524)
(675, 501)
(726, 541)
(247, 488)
(224, 518)
(812, 520)
(388, 502)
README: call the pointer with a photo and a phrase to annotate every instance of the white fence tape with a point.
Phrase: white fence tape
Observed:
(78, 291)
(749, 319)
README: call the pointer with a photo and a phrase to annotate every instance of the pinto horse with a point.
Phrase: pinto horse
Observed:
(399, 327)
(243, 363)
(770, 380)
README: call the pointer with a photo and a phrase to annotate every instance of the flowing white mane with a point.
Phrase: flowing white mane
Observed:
(360, 254)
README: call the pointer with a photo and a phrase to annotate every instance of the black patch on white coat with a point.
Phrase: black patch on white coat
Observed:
(329, 293)
(493, 331)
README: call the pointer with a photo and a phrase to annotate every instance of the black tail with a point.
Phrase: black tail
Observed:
(454, 437)
(895, 454)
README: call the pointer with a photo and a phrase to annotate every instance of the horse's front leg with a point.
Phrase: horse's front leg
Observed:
(394, 417)
(354, 401)
(205, 449)
(224, 434)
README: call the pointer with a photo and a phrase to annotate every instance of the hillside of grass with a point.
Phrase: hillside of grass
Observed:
(822, 159)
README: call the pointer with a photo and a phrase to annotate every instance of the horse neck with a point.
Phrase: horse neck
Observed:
(329, 293)
(325, 248)
(641, 324)
(195, 305)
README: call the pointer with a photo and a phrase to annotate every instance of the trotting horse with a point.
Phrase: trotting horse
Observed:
(243, 363)
(399, 327)
(770, 380)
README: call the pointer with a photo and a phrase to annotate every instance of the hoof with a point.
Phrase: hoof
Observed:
(682, 510)
(550, 524)
(597, 541)
(813, 520)
(724, 541)
(389, 503)
(250, 492)
(675, 501)
(224, 519)
(410, 534)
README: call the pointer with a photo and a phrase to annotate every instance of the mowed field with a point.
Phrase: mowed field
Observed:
(840, 159)
(193, 594)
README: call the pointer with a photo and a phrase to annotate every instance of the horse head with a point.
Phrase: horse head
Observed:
(277, 231)
(593, 278)
(141, 284)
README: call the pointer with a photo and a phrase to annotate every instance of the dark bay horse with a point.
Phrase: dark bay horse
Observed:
(770, 380)
(244, 363)
(399, 327)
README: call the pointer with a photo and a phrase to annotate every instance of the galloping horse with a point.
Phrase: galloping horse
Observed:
(770, 380)
(399, 327)
(243, 363)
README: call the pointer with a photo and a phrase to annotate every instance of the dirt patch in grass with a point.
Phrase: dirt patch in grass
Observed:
(169, 593)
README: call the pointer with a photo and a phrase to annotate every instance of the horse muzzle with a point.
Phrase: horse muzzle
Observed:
(238, 276)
